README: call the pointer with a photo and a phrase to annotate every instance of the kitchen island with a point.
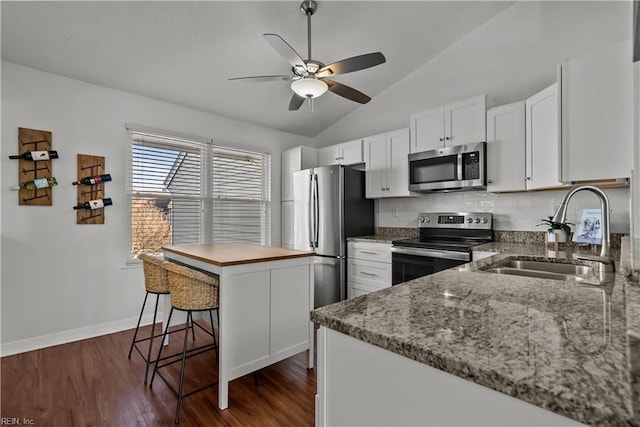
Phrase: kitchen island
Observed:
(266, 294)
(469, 347)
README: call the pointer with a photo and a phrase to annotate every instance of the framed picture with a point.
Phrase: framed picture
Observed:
(589, 227)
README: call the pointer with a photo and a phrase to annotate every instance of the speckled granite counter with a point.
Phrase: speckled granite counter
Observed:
(387, 235)
(574, 350)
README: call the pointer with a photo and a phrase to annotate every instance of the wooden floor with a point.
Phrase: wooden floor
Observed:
(92, 383)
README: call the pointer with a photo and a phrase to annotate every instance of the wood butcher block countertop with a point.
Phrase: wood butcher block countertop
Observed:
(226, 254)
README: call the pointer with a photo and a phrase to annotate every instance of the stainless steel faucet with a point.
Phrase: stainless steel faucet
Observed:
(605, 258)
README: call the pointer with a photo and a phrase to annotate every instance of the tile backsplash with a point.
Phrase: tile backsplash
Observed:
(511, 211)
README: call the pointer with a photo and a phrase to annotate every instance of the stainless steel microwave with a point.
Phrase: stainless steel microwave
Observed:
(457, 168)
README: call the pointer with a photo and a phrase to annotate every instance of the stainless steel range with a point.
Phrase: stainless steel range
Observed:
(445, 241)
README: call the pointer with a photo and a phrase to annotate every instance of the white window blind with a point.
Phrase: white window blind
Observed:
(189, 191)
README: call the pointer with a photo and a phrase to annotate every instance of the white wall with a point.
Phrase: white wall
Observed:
(61, 281)
(510, 57)
(512, 211)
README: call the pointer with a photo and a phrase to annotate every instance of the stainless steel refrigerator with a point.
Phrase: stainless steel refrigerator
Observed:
(329, 205)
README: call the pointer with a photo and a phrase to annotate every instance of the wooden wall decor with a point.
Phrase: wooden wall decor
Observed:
(34, 140)
(90, 166)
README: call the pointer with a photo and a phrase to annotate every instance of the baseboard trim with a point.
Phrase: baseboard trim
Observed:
(36, 343)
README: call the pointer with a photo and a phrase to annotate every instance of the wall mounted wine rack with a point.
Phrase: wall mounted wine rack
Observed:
(90, 166)
(34, 140)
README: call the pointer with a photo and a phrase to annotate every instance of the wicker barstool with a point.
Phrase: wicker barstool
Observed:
(155, 282)
(190, 290)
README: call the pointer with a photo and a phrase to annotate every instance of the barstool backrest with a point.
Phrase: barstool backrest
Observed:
(191, 289)
(155, 275)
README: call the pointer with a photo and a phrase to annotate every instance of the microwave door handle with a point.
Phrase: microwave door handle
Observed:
(460, 178)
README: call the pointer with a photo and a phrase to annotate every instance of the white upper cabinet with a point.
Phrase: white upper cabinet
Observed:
(293, 160)
(375, 155)
(346, 153)
(427, 130)
(506, 148)
(465, 121)
(387, 165)
(542, 168)
(597, 114)
(461, 122)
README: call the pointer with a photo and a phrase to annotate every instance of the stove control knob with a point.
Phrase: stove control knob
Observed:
(485, 220)
(469, 220)
(476, 220)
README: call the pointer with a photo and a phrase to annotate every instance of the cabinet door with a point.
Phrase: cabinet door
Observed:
(465, 121)
(506, 148)
(329, 156)
(375, 148)
(351, 152)
(398, 143)
(597, 114)
(287, 225)
(542, 151)
(427, 130)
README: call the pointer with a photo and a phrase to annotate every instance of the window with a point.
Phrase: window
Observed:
(191, 191)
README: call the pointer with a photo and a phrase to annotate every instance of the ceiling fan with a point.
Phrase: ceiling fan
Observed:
(310, 78)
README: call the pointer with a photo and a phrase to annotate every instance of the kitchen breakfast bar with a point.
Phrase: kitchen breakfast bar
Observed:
(266, 294)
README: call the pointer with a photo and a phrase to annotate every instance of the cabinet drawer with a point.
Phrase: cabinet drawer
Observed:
(380, 252)
(369, 272)
(356, 289)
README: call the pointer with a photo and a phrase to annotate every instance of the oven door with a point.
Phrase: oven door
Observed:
(411, 263)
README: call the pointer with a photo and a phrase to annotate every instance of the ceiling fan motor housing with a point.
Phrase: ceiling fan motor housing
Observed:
(308, 7)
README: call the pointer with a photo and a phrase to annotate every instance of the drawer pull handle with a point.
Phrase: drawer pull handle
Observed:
(369, 252)
(368, 274)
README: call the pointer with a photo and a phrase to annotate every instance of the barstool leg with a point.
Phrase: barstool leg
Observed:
(213, 332)
(193, 330)
(135, 334)
(164, 335)
(153, 331)
(184, 358)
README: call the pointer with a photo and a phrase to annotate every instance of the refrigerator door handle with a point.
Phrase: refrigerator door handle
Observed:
(311, 210)
(316, 211)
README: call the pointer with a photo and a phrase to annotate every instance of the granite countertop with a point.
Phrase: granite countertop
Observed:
(386, 235)
(569, 348)
(376, 238)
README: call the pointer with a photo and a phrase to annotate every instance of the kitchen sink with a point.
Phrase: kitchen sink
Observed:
(546, 270)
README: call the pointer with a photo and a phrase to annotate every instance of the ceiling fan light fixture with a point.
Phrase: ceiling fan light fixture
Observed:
(309, 87)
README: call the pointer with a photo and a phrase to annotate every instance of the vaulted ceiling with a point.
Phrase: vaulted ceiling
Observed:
(183, 52)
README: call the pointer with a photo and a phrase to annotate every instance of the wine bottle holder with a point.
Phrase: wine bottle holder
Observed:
(34, 140)
(90, 166)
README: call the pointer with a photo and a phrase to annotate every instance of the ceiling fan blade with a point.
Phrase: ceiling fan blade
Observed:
(354, 63)
(285, 50)
(296, 102)
(347, 92)
(263, 78)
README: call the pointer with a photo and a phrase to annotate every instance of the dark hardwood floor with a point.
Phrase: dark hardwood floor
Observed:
(92, 383)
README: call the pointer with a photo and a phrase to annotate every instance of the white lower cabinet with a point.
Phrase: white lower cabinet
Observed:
(368, 267)
(360, 384)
